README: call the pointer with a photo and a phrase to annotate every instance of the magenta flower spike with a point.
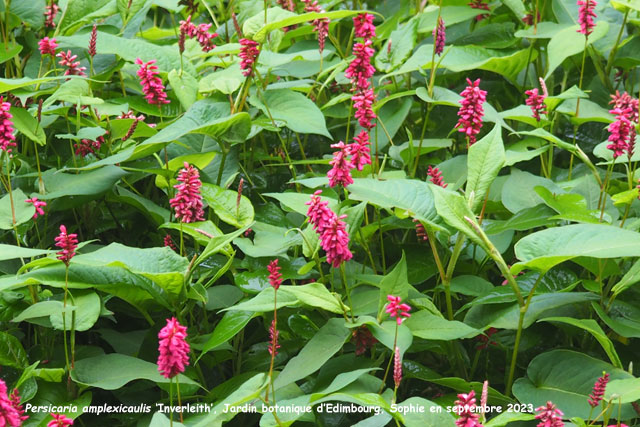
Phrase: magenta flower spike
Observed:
(363, 26)
(549, 416)
(586, 15)
(152, 86)
(248, 54)
(10, 416)
(465, 407)
(435, 176)
(396, 309)
(471, 111)
(319, 213)
(168, 242)
(620, 132)
(335, 241)
(363, 103)
(275, 277)
(50, 13)
(68, 60)
(598, 390)
(188, 200)
(7, 133)
(397, 368)
(320, 26)
(274, 335)
(536, 102)
(173, 349)
(626, 102)
(47, 46)
(200, 33)
(60, 420)
(439, 36)
(38, 204)
(15, 401)
(92, 41)
(359, 150)
(360, 69)
(340, 173)
(68, 243)
(287, 4)
(421, 232)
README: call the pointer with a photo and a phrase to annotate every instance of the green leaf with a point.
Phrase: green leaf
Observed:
(620, 318)
(296, 202)
(623, 391)
(44, 309)
(87, 312)
(287, 21)
(520, 151)
(28, 125)
(231, 323)
(185, 87)
(224, 204)
(226, 80)
(508, 417)
(630, 278)
(13, 252)
(23, 211)
(544, 249)
(263, 302)
(453, 208)
(486, 158)
(398, 47)
(394, 283)
(623, 5)
(11, 51)
(324, 344)
(428, 326)
(112, 371)
(412, 196)
(526, 219)
(314, 295)
(594, 329)
(31, 12)
(518, 191)
(11, 352)
(569, 42)
(626, 197)
(91, 183)
(449, 14)
(430, 414)
(566, 378)
(299, 113)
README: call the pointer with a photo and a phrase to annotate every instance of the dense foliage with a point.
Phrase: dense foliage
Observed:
(371, 213)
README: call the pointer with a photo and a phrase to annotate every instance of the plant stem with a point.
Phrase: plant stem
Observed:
(386, 372)
(273, 346)
(343, 274)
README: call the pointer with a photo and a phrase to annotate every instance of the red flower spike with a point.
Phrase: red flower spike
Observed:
(397, 368)
(439, 36)
(620, 132)
(363, 338)
(340, 173)
(173, 349)
(275, 278)
(471, 111)
(188, 200)
(549, 416)
(363, 25)
(47, 46)
(7, 133)
(335, 241)
(359, 150)
(320, 26)
(248, 54)
(319, 213)
(92, 41)
(435, 176)
(38, 204)
(586, 15)
(465, 407)
(9, 415)
(421, 233)
(68, 243)
(152, 86)
(274, 335)
(536, 102)
(68, 60)
(598, 390)
(397, 310)
(363, 102)
(50, 13)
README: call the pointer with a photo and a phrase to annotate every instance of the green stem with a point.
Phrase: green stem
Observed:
(343, 275)
(386, 372)
(614, 49)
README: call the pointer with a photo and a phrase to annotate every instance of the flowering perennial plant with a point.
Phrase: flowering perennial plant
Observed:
(173, 349)
(472, 110)
(68, 243)
(586, 15)
(152, 86)
(248, 54)
(188, 200)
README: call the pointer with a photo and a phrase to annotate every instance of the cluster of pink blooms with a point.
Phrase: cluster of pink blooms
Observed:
(586, 15)
(421, 232)
(50, 13)
(598, 390)
(629, 107)
(620, 133)
(248, 54)
(472, 111)
(340, 173)
(549, 416)
(38, 204)
(535, 100)
(287, 4)
(466, 408)
(360, 71)
(397, 368)
(200, 33)
(275, 280)
(47, 46)
(68, 243)
(188, 200)
(320, 26)
(86, 146)
(397, 309)
(479, 4)
(173, 349)
(275, 277)
(68, 60)
(152, 86)
(92, 41)
(331, 229)
(7, 136)
(435, 176)
(60, 420)
(11, 412)
(439, 36)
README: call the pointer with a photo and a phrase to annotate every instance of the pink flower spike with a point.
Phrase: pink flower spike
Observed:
(626, 102)
(363, 24)
(38, 204)
(152, 86)
(275, 278)
(536, 102)
(60, 420)
(439, 36)
(359, 150)
(549, 416)
(320, 26)
(50, 13)
(620, 132)
(248, 54)
(168, 242)
(435, 176)
(287, 4)
(421, 232)
(598, 390)
(68, 243)
(274, 334)
(396, 309)
(7, 133)
(47, 46)
(68, 60)
(478, 4)
(319, 213)
(397, 368)
(9, 415)
(92, 41)
(363, 103)
(471, 111)
(188, 201)
(15, 401)
(173, 349)
(586, 15)
(465, 406)
(360, 69)
(335, 241)
(340, 173)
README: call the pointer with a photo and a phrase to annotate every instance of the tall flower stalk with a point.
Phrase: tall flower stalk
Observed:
(275, 280)
(398, 311)
(173, 355)
(68, 243)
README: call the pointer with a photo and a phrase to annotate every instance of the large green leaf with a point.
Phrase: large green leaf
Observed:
(28, 125)
(566, 378)
(11, 351)
(453, 208)
(394, 283)
(315, 295)
(231, 323)
(428, 326)
(112, 371)
(569, 42)
(92, 183)
(398, 47)
(429, 413)
(299, 113)
(23, 211)
(324, 344)
(486, 158)
(289, 20)
(544, 249)
(13, 252)
(225, 204)
(86, 314)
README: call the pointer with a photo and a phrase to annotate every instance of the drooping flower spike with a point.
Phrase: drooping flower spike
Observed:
(200, 33)
(397, 309)
(173, 349)
(320, 26)
(363, 26)
(536, 102)
(68, 243)
(363, 103)
(435, 176)
(152, 86)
